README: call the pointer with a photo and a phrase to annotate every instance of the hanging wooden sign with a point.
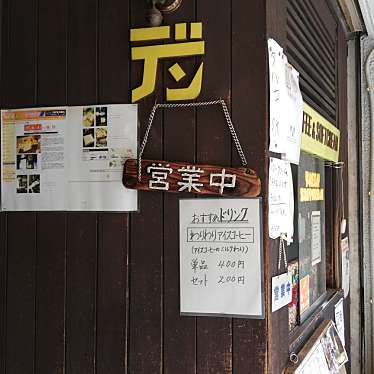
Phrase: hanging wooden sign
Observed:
(168, 176)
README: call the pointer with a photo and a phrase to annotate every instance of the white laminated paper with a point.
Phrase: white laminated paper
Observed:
(281, 286)
(316, 363)
(286, 105)
(68, 158)
(281, 200)
(221, 257)
(316, 237)
(293, 113)
(277, 84)
(345, 266)
(339, 320)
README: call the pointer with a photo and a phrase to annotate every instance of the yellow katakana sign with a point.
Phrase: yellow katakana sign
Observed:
(151, 54)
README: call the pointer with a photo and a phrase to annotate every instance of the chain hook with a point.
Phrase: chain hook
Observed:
(186, 105)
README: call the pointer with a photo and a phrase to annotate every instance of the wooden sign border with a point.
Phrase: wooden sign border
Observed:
(207, 180)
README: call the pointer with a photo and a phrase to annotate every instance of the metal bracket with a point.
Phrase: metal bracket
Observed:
(157, 8)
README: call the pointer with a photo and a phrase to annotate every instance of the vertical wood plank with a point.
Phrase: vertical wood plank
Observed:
(214, 335)
(3, 287)
(179, 344)
(82, 52)
(111, 296)
(112, 291)
(21, 293)
(114, 51)
(20, 308)
(3, 216)
(81, 278)
(50, 294)
(328, 26)
(343, 126)
(20, 68)
(249, 98)
(146, 238)
(52, 27)
(82, 227)
(277, 329)
(50, 276)
(335, 205)
(111, 299)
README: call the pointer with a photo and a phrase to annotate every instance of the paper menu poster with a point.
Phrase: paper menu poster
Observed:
(286, 105)
(33, 159)
(221, 257)
(281, 199)
(45, 162)
(101, 138)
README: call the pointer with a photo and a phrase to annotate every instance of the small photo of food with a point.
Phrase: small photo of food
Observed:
(28, 144)
(101, 116)
(34, 183)
(32, 161)
(27, 161)
(21, 162)
(21, 183)
(88, 138)
(101, 137)
(88, 117)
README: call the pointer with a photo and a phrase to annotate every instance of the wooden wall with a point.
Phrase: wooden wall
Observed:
(99, 292)
(323, 28)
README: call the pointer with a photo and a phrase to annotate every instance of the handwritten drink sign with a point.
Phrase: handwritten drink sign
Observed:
(221, 257)
(281, 204)
(168, 176)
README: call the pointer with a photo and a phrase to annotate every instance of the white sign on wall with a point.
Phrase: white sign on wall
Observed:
(339, 319)
(286, 105)
(316, 238)
(345, 266)
(67, 158)
(315, 362)
(281, 286)
(221, 257)
(281, 200)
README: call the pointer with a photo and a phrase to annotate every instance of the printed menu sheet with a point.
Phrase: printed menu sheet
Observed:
(221, 257)
(67, 158)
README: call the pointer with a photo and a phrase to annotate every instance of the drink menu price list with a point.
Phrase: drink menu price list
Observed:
(221, 257)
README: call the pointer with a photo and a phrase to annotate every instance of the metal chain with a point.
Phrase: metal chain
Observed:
(186, 105)
(282, 252)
